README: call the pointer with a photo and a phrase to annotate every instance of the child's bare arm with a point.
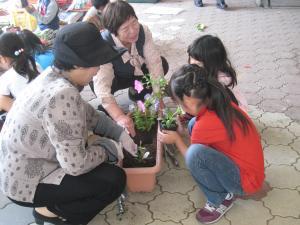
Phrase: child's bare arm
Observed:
(5, 103)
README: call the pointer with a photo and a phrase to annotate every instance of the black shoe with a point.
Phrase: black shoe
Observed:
(40, 219)
(198, 3)
(222, 5)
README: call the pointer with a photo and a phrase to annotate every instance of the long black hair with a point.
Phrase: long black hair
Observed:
(211, 52)
(193, 81)
(12, 46)
(33, 44)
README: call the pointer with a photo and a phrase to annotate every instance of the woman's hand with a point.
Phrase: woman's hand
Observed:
(168, 137)
(126, 122)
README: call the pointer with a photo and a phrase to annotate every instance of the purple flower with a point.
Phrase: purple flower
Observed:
(147, 96)
(138, 86)
(141, 106)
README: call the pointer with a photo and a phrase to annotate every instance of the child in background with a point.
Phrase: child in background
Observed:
(94, 14)
(209, 52)
(20, 66)
(46, 14)
(225, 156)
(33, 45)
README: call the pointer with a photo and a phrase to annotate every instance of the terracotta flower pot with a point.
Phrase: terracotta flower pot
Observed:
(143, 179)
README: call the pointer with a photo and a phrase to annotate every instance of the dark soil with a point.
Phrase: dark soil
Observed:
(131, 162)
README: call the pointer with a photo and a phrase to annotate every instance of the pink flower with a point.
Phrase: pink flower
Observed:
(141, 106)
(138, 86)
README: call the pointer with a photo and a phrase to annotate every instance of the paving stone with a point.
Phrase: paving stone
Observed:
(297, 164)
(296, 145)
(13, 214)
(284, 221)
(280, 176)
(158, 222)
(176, 181)
(271, 93)
(289, 198)
(280, 154)
(98, 220)
(165, 167)
(277, 136)
(292, 100)
(291, 89)
(191, 220)
(254, 112)
(3, 201)
(143, 197)
(162, 211)
(294, 127)
(244, 211)
(273, 105)
(253, 98)
(197, 197)
(259, 125)
(275, 119)
(135, 214)
(293, 112)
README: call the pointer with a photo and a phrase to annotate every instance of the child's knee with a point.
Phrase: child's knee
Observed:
(193, 154)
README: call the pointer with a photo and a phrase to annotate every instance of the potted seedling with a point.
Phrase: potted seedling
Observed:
(168, 121)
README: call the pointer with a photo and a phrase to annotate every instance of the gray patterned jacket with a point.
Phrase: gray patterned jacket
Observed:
(45, 137)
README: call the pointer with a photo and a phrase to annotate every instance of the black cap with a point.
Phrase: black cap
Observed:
(81, 44)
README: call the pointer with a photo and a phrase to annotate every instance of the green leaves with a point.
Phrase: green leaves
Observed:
(169, 117)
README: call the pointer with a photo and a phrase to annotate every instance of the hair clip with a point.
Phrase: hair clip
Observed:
(18, 52)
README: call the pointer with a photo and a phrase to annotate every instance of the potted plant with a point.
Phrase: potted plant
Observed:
(141, 171)
(144, 117)
(139, 177)
(168, 119)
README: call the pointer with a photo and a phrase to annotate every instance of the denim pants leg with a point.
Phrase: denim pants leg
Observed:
(216, 174)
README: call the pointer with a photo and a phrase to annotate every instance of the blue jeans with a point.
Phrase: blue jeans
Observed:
(215, 173)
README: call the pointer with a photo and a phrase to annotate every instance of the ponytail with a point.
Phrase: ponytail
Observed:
(11, 46)
(25, 65)
(193, 81)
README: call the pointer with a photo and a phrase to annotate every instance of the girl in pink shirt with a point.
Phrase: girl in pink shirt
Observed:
(209, 52)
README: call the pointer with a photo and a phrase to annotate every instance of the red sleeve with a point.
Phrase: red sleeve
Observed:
(208, 130)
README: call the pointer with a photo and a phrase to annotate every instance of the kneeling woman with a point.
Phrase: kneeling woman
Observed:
(141, 57)
(46, 161)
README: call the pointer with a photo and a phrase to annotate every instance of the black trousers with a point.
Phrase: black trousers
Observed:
(80, 198)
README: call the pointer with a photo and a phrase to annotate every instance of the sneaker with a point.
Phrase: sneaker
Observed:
(222, 5)
(198, 3)
(211, 214)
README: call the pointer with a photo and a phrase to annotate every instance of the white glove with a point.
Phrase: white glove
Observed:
(113, 149)
(128, 144)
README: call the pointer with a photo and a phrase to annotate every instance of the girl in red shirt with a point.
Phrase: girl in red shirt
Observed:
(225, 156)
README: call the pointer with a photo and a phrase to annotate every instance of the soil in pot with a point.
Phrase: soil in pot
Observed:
(131, 162)
(145, 137)
(173, 127)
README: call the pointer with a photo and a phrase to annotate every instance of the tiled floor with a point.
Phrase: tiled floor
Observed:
(264, 47)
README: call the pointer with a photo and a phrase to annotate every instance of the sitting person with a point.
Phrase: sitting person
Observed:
(225, 156)
(46, 14)
(209, 52)
(141, 57)
(49, 163)
(94, 15)
(20, 70)
(33, 45)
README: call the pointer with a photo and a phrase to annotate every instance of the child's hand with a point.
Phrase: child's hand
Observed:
(168, 137)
